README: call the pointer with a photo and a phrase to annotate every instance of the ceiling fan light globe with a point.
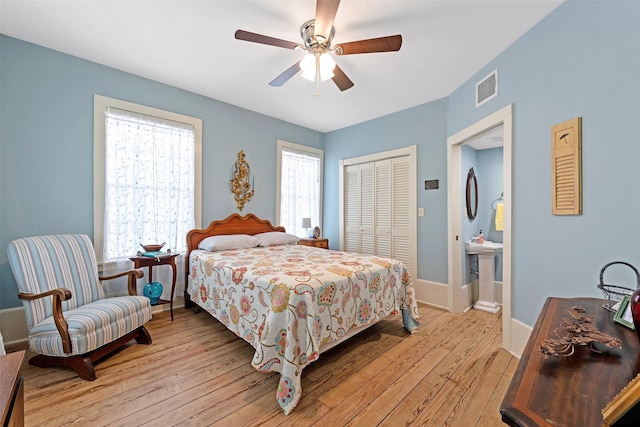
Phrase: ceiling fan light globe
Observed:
(325, 76)
(327, 64)
(309, 76)
(308, 67)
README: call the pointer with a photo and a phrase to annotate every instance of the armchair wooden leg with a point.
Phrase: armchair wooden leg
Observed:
(143, 336)
(83, 364)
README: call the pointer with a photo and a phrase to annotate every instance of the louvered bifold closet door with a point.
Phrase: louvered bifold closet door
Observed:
(367, 209)
(352, 209)
(401, 212)
(378, 209)
(383, 208)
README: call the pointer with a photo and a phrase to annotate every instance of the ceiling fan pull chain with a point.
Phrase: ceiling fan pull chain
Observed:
(317, 73)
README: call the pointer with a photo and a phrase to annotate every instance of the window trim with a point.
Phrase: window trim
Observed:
(304, 149)
(100, 106)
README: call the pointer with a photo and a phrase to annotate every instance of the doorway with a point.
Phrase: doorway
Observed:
(459, 295)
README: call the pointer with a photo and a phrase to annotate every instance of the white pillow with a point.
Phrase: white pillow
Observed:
(228, 242)
(272, 238)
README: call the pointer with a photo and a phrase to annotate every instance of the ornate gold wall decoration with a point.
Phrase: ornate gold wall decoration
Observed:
(239, 183)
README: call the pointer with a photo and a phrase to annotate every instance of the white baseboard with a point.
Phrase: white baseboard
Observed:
(470, 290)
(13, 324)
(178, 302)
(434, 293)
(498, 292)
(520, 333)
(469, 294)
(431, 293)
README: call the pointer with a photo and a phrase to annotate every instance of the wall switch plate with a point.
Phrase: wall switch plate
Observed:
(431, 184)
(420, 211)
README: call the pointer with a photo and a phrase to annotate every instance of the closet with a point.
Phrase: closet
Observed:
(379, 208)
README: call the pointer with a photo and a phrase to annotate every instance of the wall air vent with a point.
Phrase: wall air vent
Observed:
(487, 88)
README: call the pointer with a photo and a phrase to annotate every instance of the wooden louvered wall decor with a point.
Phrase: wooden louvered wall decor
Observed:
(566, 167)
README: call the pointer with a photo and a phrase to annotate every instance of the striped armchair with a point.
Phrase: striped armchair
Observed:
(70, 322)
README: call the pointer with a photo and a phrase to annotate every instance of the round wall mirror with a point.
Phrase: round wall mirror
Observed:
(472, 195)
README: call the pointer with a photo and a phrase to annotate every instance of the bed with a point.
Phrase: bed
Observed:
(290, 302)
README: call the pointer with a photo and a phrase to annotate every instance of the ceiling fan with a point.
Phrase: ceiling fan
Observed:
(317, 35)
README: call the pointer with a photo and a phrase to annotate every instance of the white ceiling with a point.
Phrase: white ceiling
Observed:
(491, 138)
(190, 44)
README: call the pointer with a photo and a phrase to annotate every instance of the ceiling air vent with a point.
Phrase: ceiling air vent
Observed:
(487, 88)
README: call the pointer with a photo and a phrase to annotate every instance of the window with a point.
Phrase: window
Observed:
(299, 187)
(147, 185)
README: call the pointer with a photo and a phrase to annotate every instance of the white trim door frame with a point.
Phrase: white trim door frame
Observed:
(458, 298)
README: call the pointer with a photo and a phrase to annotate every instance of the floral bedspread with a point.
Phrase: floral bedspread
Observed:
(288, 300)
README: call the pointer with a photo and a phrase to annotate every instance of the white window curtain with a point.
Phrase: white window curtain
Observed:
(300, 190)
(149, 183)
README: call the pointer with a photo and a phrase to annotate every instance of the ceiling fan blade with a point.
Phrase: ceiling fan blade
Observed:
(286, 75)
(259, 38)
(325, 14)
(380, 44)
(341, 80)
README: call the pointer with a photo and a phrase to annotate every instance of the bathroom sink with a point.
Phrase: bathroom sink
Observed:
(486, 252)
(487, 247)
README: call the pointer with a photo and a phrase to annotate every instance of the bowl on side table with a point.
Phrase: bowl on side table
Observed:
(152, 247)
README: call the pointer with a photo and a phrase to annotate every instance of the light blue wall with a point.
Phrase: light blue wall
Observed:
(582, 60)
(424, 126)
(490, 182)
(47, 144)
(488, 167)
(468, 160)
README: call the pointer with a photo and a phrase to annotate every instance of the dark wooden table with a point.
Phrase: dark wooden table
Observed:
(150, 262)
(11, 390)
(316, 243)
(570, 391)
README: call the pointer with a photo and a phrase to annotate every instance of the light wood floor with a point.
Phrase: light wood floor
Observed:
(451, 372)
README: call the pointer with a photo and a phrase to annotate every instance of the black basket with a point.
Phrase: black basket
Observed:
(613, 293)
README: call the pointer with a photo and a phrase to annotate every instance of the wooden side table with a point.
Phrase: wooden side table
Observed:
(150, 262)
(572, 390)
(11, 389)
(316, 243)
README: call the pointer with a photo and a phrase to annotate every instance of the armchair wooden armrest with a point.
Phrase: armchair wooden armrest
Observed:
(134, 275)
(59, 295)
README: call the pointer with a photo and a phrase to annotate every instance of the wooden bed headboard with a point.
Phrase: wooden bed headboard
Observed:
(233, 224)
